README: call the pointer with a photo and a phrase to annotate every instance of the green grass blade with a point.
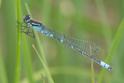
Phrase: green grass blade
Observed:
(44, 65)
(27, 60)
(114, 49)
(18, 55)
(8, 13)
(0, 3)
(43, 60)
(3, 77)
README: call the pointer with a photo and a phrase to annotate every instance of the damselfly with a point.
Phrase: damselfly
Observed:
(87, 48)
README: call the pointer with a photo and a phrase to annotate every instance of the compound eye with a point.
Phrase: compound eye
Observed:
(27, 19)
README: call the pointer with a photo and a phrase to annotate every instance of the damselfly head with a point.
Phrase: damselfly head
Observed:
(27, 19)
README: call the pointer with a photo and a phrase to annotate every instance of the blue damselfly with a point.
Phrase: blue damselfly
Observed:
(82, 49)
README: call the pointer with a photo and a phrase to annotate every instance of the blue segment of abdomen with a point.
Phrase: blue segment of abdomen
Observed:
(42, 30)
(37, 28)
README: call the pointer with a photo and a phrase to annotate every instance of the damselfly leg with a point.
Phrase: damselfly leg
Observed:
(26, 29)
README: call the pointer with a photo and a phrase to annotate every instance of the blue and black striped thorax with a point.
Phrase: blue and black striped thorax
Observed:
(34, 24)
(27, 19)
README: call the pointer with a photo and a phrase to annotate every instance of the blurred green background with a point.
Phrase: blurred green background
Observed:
(43, 60)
